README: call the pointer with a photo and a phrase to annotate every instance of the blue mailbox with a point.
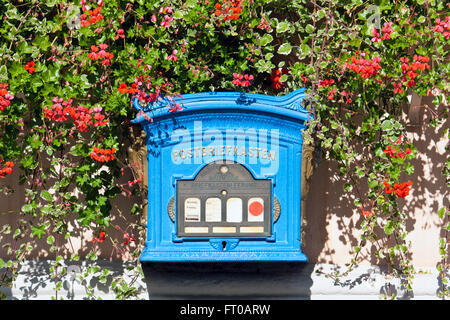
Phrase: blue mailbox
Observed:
(224, 177)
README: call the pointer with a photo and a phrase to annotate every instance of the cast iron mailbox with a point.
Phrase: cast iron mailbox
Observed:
(224, 177)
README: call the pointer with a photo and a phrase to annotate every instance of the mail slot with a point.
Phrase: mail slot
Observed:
(224, 177)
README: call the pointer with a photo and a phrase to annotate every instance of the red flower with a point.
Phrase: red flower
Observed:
(173, 56)
(102, 155)
(326, 83)
(239, 82)
(397, 87)
(247, 80)
(366, 214)
(120, 34)
(376, 35)
(123, 88)
(366, 68)
(30, 67)
(387, 30)
(8, 170)
(175, 107)
(331, 93)
(127, 238)
(237, 78)
(400, 191)
(276, 76)
(101, 238)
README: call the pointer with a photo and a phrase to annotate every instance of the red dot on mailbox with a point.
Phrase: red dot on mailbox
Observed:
(255, 208)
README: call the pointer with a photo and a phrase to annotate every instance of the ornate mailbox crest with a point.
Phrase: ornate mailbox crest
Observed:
(224, 178)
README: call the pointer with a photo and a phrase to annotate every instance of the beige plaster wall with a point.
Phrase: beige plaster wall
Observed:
(333, 220)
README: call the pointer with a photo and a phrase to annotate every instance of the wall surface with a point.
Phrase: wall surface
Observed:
(271, 281)
(330, 234)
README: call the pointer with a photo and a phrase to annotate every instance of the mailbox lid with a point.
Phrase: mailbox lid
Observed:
(289, 106)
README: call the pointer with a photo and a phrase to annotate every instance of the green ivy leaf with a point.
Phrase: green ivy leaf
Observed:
(441, 213)
(389, 227)
(373, 184)
(3, 74)
(46, 196)
(38, 231)
(50, 239)
(387, 125)
(265, 40)
(283, 26)
(27, 208)
(285, 48)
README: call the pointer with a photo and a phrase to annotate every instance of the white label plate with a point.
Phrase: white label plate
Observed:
(234, 210)
(213, 210)
(192, 210)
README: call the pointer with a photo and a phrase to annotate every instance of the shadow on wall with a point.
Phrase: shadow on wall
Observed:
(333, 220)
(230, 280)
(35, 282)
(80, 241)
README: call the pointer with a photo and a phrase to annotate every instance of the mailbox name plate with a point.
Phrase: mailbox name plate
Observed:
(224, 200)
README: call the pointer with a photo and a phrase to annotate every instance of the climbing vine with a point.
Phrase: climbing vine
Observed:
(69, 70)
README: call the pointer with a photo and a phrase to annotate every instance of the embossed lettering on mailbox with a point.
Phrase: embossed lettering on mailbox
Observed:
(224, 200)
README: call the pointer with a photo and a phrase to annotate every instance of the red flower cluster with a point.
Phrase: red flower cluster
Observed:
(264, 24)
(173, 56)
(59, 111)
(304, 79)
(124, 89)
(443, 27)
(174, 107)
(120, 34)
(133, 182)
(5, 97)
(99, 53)
(376, 35)
(167, 19)
(91, 17)
(30, 67)
(143, 83)
(326, 83)
(331, 93)
(103, 155)
(366, 68)
(101, 238)
(230, 11)
(239, 82)
(366, 214)
(83, 117)
(394, 153)
(397, 87)
(346, 95)
(7, 170)
(400, 190)
(410, 70)
(275, 77)
(127, 238)
(387, 30)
